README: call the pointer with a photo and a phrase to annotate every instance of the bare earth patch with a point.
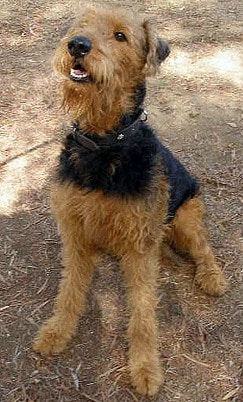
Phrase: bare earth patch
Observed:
(196, 106)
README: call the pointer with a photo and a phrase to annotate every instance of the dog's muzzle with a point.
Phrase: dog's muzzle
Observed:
(78, 47)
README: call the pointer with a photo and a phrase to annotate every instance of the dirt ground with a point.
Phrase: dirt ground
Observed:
(196, 106)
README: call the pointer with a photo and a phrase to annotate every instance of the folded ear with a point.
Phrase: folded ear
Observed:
(156, 48)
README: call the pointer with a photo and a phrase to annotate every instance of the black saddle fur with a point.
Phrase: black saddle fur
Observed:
(125, 167)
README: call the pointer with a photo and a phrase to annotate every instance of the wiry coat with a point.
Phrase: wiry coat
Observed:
(118, 187)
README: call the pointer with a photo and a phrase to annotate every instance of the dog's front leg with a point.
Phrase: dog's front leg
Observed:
(140, 273)
(70, 302)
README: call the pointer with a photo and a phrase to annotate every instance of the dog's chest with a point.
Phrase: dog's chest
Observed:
(113, 223)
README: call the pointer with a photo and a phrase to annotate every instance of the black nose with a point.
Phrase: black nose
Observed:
(79, 46)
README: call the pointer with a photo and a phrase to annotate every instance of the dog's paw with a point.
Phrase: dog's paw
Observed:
(147, 378)
(49, 340)
(212, 281)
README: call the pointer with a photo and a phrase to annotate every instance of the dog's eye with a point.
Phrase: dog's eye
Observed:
(120, 36)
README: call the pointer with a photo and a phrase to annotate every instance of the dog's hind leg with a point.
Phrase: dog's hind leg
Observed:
(186, 232)
(78, 262)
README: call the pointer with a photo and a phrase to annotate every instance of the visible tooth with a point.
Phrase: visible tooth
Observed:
(82, 75)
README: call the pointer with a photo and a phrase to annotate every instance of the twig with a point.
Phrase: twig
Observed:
(34, 148)
(90, 398)
(36, 222)
(4, 308)
(108, 372)
(230, 394)
(132, 395)
(38, 308)
(196, 361)
(43, 286)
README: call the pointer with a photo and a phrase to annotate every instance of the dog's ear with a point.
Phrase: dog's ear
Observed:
(156, 49)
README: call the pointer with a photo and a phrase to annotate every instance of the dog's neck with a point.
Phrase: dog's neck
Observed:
(96, 112)
(128, 126)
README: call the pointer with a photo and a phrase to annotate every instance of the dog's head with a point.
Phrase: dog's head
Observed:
(109, 52)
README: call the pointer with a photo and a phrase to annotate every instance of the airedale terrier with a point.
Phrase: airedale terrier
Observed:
(119, 190)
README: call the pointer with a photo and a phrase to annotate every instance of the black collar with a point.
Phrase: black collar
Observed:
(118, 134)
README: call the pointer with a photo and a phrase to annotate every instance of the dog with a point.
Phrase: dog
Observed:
(119, 190)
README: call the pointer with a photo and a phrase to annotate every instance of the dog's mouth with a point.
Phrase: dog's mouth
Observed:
(79, 74)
